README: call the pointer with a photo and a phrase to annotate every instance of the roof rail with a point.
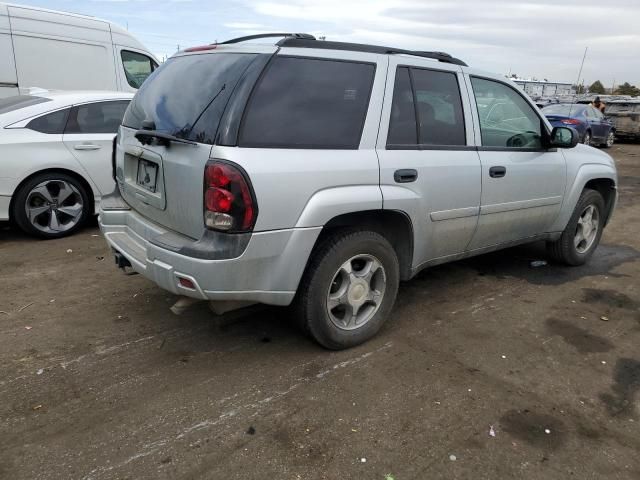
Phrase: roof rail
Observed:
(303, 42)
(301, 36)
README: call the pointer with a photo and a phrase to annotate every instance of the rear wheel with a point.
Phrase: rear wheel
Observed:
(348, 289)
(582, 234)
(51, 205)
(587, 138)
(611, 137)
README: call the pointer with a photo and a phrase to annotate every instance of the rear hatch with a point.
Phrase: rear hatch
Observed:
(184, 98)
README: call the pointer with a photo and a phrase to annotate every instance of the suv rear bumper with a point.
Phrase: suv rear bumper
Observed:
(267, 271)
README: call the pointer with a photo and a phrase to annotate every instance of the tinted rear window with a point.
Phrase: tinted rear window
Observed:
(623, 108)
(308, 103)
(52, 123)
(564, 110)
(186, 96)
(11, 104)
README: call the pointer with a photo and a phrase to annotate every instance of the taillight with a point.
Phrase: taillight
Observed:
(229, 204)
(571, 121)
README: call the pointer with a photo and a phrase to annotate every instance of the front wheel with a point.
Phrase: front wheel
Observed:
(348, 289)
(51, 205)
(587, 138)
(582, 234)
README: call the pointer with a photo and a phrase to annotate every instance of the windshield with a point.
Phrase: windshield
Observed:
(565, 110)
(186, 96)
(11, 104)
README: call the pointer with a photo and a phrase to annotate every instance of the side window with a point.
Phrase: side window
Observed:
(101, 117)
(434, 100)
(308, 103)
(51, 122)
(506, 118)
(439, 108)
(137, 67)
(402, 124)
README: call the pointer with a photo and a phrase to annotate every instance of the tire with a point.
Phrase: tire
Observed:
(51, 205)
(566, 249)
(611, 138)
(587, 137)
(328, 295)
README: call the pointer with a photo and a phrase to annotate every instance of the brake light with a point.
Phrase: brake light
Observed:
(201, 48)
(229, 203)
(571, 121)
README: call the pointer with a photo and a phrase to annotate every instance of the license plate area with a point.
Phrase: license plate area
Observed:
(147, 175)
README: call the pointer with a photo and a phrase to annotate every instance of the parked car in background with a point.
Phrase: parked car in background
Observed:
(323, 173)
(56, 50)
(592, 126)
(55, 157)
(625, 115)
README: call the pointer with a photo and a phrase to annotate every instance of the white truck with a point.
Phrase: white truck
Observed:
(64, 51)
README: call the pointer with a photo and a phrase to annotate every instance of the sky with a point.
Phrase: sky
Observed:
(531, 38)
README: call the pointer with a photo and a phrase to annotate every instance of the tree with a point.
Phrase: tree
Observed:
(596, 87)
(627, 89)
(579, 89)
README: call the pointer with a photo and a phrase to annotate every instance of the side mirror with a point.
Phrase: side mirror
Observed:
(564, 137)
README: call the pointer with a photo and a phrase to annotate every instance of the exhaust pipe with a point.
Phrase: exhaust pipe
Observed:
(182, 304)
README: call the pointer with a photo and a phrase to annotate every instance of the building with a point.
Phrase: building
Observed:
(540, 88)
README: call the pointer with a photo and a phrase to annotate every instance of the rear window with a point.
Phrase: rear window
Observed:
(564, 110)
(308, 103)
(623, 108)
(186, 96)
(52, 123)
(11, 104)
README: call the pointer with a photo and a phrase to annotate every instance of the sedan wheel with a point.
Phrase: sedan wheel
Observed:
(50, 205)
(587, 138)
(54, 206)
(610, 139)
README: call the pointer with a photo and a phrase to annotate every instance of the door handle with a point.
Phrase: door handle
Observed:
(86, 146)
(406, 175)
(497, 172)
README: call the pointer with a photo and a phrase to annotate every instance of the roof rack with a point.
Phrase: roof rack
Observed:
(301, 42)
(304, 40)
(300, 36)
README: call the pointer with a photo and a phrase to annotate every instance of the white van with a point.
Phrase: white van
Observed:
(64, 51)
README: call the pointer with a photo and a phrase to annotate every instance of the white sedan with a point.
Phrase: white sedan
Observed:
(55, 157)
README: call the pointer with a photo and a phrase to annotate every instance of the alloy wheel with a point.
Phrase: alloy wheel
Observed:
(356, 292)
(610, 139)
(54, 206)
(586, 229)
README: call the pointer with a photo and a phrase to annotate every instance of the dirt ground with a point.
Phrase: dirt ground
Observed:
(100, 381)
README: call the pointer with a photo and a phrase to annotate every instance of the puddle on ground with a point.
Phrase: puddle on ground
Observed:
(620, 401)
(531, 427)
(515, 262)
(578, 337)
(610, 298)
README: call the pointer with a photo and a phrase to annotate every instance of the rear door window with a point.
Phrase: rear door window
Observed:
(99, 117)
(137, 67)
(426, 109)
(186, 96)
(308, 103)
(52, 123)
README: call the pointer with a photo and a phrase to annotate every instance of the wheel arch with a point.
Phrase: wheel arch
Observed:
(607, 188)
(394, 225)
(83, 181)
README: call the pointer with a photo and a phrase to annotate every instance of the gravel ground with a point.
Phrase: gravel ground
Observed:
(100, 381)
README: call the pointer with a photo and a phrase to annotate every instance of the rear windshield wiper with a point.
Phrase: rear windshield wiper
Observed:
(146, 138)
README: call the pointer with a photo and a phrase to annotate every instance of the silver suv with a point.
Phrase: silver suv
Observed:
(321, 174)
